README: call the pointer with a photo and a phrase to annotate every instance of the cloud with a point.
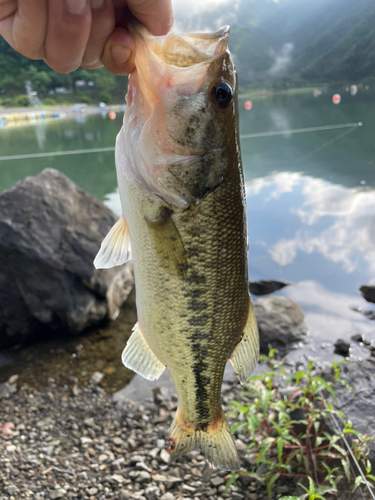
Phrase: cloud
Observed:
(349, 222)
(281, 60)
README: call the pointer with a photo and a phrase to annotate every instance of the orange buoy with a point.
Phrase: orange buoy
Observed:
(112, 115)
(248, 105)
(336, 99)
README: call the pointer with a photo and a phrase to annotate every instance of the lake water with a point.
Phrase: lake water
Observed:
(310, 196)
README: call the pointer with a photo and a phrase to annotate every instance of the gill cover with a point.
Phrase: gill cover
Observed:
(173, 138)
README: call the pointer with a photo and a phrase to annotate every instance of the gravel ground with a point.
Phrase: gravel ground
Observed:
(77, 443)
(71, 442)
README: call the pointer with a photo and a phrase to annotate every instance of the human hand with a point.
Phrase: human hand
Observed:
(72, 33)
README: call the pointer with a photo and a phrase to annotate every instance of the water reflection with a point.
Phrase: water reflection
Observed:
(334, 221)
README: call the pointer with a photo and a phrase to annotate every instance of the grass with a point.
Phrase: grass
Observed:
(292, 435)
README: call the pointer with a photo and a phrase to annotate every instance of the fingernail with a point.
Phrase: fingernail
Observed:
(120, 54)
(76, 6)
(97, 4)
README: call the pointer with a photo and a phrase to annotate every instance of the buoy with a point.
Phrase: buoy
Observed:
(112, 115)
(336, 99)
(248, 105)
(367, 87)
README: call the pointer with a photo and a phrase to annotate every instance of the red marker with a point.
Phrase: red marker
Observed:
(112, 115)
(248, 105)
(336, 99)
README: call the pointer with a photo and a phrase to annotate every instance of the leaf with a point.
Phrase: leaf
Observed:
(231, 480)
(270, 483)
(237, 426)
(311, 485)
(357, 482)
(345, 464)
(339, 449)
(290, 498)
(280, 447)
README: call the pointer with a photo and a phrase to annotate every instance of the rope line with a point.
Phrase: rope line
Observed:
(244, 136)
(300, 130)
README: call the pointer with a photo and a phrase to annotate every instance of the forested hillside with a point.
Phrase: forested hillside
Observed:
(289, 41)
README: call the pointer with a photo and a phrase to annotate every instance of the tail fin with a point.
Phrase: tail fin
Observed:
(216, 442)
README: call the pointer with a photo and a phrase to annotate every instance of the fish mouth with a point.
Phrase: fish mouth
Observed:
(189, 49)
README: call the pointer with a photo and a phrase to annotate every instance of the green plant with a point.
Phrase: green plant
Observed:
(21, 100)
(104, 96)
(290, 435)
(84, 99)
(49, 101)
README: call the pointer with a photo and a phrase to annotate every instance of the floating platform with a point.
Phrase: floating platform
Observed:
(19, 119)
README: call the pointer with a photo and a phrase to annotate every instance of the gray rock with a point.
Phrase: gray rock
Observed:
(217, 481)
(152, 492)
(342, 347)
(6, 390)
(280, 323)
(50, 232)
(359, 405)
(96, 378)
(143, 477)
(167, 496)
(264, 287)
(11, 489)
(57, 494)
(368, 292)
(164, 455)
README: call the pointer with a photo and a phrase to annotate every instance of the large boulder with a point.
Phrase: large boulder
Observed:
(368, 292)
(280, 322)
(357, 405)
(50, 232)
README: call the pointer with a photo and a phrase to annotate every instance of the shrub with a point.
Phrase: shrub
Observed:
(21, 100)
(49, 101)
(290, 434)
(84, 99)
(104, 96)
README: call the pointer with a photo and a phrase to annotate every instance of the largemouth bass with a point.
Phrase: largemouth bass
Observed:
(184, 224)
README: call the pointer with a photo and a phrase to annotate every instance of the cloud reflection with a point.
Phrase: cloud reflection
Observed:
(335, 221)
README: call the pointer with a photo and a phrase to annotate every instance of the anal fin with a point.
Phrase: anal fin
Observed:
(137, 356)
(246, 354)
(115, 249)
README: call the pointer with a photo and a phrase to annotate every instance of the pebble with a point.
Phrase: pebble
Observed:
(95, 449)
(217, 481)
(165, 456)
(143, 477)
(167, 496)
(96, 378)
(60, 493)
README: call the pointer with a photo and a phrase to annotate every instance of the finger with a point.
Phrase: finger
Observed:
(68, 31)
(118, 55)
(156, 15)
(102, 25)
(23, 25)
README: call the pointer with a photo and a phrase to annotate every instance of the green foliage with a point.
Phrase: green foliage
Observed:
(289, 433)
(84, 99)
(104, 96)
(21, 100)
(49, 101)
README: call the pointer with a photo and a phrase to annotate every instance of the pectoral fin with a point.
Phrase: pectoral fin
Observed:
(168, 243)
(115, 248)
(246, 354)
(138, 356)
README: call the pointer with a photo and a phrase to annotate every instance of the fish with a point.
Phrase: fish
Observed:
(184, 224)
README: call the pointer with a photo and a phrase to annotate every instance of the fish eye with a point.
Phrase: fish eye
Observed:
(221, 94)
